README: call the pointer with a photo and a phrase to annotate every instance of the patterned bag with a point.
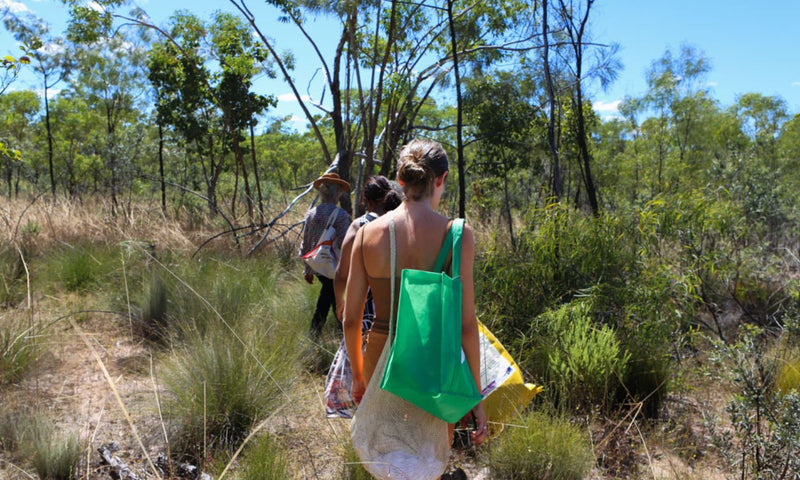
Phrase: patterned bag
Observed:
(324, 257)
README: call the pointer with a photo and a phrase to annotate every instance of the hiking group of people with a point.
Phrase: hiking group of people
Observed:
(362, 293)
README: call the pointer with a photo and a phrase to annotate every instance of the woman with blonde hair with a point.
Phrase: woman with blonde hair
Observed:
(421, 171)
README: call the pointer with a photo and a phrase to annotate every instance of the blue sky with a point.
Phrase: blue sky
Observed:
(751, 44)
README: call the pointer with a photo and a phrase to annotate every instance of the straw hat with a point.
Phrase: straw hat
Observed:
(332, 178)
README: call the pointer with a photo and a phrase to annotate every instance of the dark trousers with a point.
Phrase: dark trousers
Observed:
(326, 300)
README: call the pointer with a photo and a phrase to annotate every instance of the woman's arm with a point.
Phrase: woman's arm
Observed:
(469, 327)
(357, 285)
(340, 281)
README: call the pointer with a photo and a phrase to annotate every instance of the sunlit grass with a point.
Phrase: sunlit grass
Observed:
(544, 447)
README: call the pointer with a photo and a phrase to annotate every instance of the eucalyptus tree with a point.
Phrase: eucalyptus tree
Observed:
(203, 76)
(506, 127)
(81, 143)
(762, 117)
(49, 59)
(240, 59)
(109, 75)
(10, 68)
(177, 71)
(571, 61)
(675, 106)
(389, 60)
(18, 112)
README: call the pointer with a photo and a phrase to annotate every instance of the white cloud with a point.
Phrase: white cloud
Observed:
(53, 48)
(712, 84)
(96, 7)
(289, 97)
(606, 107)
(796, 84)
(13, 7)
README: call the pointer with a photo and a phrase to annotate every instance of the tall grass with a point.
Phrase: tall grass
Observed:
(234, 356)
(265, 460)
(544, 446)
(18, 349)
(56, 456)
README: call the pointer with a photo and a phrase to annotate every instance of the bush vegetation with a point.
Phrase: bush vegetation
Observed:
(544, 446)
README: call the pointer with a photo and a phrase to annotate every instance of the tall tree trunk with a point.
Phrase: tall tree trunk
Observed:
(583, 147)
(556, 177)
(462, 189)
(257, 179)
(49, 141)
(161, 169)
(508, 210)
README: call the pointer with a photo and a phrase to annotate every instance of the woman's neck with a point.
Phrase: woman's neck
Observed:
(423, 205)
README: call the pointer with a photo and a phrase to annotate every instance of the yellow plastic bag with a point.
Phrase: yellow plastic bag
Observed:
(505, 392)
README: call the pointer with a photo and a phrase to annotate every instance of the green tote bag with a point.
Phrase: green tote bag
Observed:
(426, 364)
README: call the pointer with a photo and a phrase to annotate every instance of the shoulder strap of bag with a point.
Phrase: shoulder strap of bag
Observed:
(392, 272)
(453, 238)
(332, 217)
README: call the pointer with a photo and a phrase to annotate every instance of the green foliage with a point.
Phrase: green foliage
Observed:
(200, 292)
(582, 363)
(562, 252)
(265, 460)
(545, 446)
(766, 421)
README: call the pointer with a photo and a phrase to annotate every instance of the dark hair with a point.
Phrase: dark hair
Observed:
(379, 190)
(419, 163)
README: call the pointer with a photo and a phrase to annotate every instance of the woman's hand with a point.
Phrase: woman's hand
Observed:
(481, 432)
(357, 389)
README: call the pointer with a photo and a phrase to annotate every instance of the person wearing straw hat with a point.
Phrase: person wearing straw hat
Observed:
(329, 186)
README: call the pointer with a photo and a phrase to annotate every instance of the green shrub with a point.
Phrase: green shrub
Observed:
(585, 361)
(18, 350)
(562, 252)
(765, 420)
(264, 460)
(579, 363)
(545, 446)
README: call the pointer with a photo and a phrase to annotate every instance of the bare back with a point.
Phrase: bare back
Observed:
(419, 239)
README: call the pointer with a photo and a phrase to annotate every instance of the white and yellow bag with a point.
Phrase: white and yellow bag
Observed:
(505, 393)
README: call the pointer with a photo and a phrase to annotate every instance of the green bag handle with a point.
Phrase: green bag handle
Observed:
(454, 234)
